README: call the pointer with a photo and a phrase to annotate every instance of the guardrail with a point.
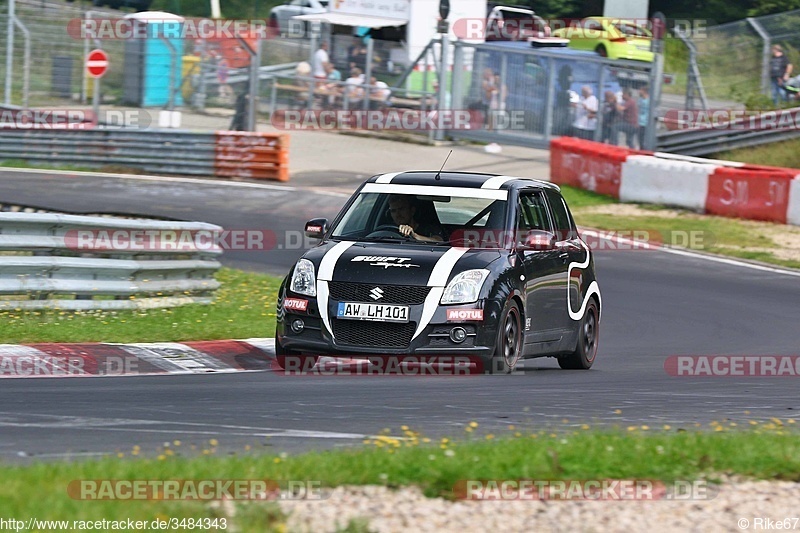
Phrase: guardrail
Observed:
(76, 262)
(764, 128)
(233, 154)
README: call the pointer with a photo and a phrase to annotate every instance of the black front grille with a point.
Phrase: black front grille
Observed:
(373, 334)
(392, 294)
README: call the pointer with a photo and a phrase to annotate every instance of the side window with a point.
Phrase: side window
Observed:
(565, 228)
(532, 213)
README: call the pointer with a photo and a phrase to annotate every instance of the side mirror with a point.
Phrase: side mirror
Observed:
(538, 240)
(316, 228)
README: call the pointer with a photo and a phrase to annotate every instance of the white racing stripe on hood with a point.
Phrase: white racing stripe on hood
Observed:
(324, 275)
(437, 280)
(330, 258)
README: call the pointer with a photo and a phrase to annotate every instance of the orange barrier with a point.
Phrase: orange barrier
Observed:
(756, 193)
(588, 165)
(254, 155)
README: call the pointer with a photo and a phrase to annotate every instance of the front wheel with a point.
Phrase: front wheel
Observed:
(508, 345)
(586, 349)
(601, 50)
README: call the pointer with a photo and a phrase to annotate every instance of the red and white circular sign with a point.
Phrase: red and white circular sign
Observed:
(97, 63)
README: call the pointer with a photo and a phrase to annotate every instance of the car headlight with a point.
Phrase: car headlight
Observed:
(303, 280)
(465, 287)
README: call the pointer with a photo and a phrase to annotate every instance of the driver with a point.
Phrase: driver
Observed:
(402, 209)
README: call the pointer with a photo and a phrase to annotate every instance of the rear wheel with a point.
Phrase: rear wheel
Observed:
(508, 345)
(586, 349)
(293, 360)
(601, 50)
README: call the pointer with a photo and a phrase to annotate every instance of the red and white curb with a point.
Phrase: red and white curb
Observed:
(163, 358)
(109, 359)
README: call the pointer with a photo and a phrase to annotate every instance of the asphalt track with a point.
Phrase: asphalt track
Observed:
(656, 304)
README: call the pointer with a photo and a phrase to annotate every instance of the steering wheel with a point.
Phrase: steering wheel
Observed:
(387, 230)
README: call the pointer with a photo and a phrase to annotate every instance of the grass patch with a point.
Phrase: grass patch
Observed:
(20, 163)
(244, 307)
(764, 451)
(780, 154)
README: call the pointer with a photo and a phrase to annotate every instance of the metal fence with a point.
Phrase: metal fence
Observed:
(63, 262)
(733, 58)
(537, 94)
(47, 62)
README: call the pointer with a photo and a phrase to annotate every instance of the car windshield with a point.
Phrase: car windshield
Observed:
(632, 30)
(377, 217)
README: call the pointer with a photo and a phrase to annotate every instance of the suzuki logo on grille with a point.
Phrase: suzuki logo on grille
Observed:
(376, 293)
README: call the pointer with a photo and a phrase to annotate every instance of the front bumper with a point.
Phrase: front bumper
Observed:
(382, 339)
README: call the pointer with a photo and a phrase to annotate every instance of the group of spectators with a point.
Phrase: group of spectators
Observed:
(627, 115)
(330, 88)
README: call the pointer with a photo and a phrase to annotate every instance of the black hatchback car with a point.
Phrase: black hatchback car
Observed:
(450, 263)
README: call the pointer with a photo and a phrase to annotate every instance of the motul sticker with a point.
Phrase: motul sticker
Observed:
(295, 304)
(314, 229)
(461, 315)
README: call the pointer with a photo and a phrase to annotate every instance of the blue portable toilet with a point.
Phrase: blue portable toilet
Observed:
(155, 48)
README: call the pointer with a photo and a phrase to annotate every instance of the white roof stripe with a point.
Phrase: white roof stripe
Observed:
(387, 178)
(434, 190)
(496, 182)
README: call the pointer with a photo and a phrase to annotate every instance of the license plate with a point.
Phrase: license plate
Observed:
(374, 312)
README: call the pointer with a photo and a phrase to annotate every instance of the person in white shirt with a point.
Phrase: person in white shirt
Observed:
(585, 114)
(353, 90)
(320, 58)
(379, 94)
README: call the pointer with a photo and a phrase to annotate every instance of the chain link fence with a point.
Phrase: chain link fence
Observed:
(51, 71)
(733, 58)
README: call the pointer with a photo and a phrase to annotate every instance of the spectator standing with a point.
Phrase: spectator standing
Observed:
(644, 114)
(320, 58)
(586, 114)
(610, 116)
(488, 88)
(779, 71)
(629, 119)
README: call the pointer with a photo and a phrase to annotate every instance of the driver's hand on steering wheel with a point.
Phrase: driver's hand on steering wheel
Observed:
(407, 231)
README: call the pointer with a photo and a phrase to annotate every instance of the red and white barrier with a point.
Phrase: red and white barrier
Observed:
(793, 212)
(652, 180)
(716, 187)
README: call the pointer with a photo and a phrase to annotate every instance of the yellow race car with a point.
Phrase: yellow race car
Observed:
(609, 37)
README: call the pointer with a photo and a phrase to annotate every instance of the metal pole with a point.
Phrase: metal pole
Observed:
(601, 98)
(551, 92)
(96, 98)
(656, 80)
(9, 50)
(443, 71)
(26, 76)
(457, 87)
(173, 62)
(368, 74)
(254, 86)
(765, 51)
